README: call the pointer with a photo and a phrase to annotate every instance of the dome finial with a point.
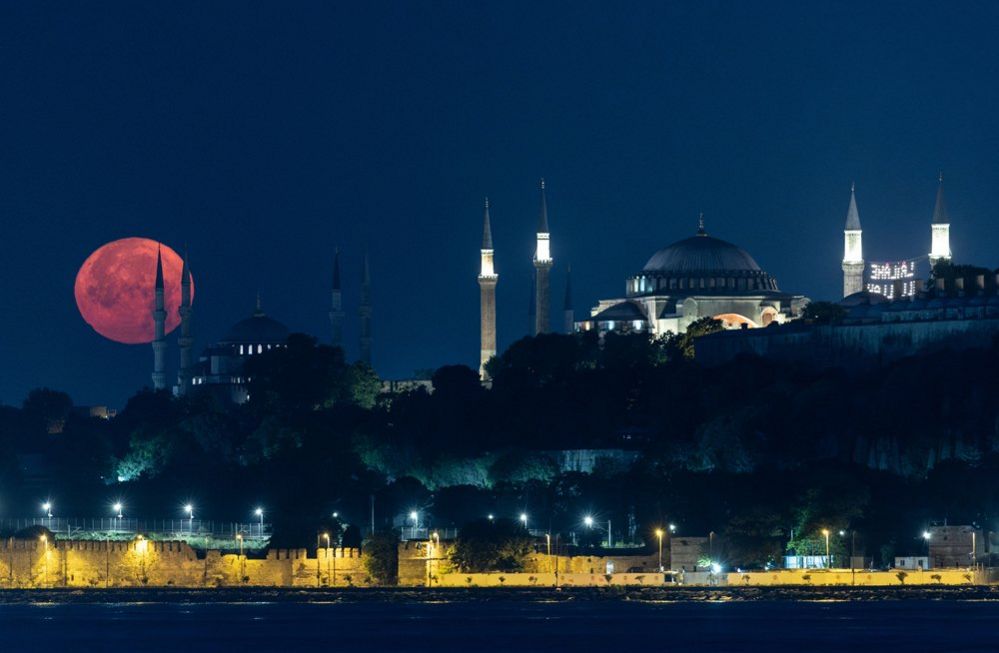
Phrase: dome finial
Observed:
(700, 224)
(260, 310)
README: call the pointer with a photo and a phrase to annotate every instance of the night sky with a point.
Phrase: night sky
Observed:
(263, 135)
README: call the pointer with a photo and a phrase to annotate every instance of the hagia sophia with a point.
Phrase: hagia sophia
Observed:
(695, 277)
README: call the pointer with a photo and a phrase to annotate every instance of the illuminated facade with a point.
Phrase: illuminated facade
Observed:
(697, 277)
(893, 279)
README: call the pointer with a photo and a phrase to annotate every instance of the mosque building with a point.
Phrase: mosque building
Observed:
(220, 370)
(891, 279)
(697, 277)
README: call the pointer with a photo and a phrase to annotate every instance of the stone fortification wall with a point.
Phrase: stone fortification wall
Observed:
(28, 563)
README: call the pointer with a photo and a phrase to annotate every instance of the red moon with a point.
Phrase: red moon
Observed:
(115, 289)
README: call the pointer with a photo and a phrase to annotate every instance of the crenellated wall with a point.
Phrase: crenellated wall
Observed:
(27, 563)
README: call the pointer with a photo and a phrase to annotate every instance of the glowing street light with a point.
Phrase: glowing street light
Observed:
(672, 528)
(118, 507)
(588, 520)
(259, 512)
(47, 508)
(659, 534)
(825, 532)
(523, 519)
(926, 535)
(491, 517)
(189, 509)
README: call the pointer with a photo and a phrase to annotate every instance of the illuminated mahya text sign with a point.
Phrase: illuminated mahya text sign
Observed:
(893, 278)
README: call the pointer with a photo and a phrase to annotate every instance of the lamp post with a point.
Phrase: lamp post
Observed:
(45, 544)
(259, 512)
(326, 536)
(47, 508)
(242, 560)
(825, 532)
(659, 534)
(117, 507)
(523, 519)
(189, 509)
(414, 516)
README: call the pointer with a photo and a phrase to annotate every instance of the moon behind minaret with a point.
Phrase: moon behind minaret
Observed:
(115, 289)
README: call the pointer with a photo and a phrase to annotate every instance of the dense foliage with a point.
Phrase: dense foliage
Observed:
(763, 453)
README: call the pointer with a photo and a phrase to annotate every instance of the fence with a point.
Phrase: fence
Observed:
(73, 528)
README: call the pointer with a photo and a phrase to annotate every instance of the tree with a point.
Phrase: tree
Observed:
(48, 409)
(823, 313)
(491, 545)
(381, 557)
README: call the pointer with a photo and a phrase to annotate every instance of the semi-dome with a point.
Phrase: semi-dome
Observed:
(258, 329)
(701, 253)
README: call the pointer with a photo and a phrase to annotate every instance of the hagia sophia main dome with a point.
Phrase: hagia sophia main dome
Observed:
(700, 276)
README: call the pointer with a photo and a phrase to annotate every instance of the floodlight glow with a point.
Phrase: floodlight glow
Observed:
(588, 520)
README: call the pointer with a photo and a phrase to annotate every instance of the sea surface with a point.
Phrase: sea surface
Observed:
(501, 624)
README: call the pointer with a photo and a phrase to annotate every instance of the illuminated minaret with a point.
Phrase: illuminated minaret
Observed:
(532, 313)
(336, 303)
(940, 243)
(185, 340)
(159, 329)
(567, 312)
(487, 295)
(542, 265)
(853, 250)
(364, 311)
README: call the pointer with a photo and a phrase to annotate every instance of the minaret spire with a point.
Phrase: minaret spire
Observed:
(487, 295)
(940, 229)
(364, 311)
(159, 327)
(542, 265)
(336, 303)
(853, 249)
(700, 224)
(185, 340)
(567, 310)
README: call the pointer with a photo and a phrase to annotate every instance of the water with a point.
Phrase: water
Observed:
(912, 625)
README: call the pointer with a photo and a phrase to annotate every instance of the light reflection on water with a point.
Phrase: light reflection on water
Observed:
(443, 626)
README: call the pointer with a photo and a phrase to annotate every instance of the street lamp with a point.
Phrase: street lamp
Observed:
(672, 528)
(659, 534)
(588, 520)
(242, 557)
(259, 512)
(825, 532)
(414, 516)
(523, 519)
(491, 517)
(326, 536)
(45, 542)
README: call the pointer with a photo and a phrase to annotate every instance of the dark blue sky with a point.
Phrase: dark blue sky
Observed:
(266, 134)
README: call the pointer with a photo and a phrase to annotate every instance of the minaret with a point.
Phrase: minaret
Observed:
(185, 340)
(159, 329)
(336, 303)
(567, 312)
(853, 250)
(542, 265)
(364, 311)
(940, 243)
(532, 303)
(487, 295)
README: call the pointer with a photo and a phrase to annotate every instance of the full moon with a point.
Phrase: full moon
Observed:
(115, 289)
